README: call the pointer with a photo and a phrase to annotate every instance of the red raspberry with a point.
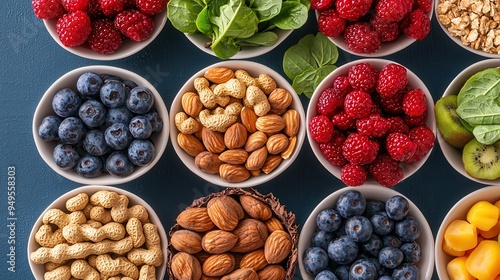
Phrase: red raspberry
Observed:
(75, 5)
(329, 101)
(424, 5)
(111, 7)
(321, 4)
(363, 76)
(74, 28)
(414, 103)
(321, 129)
(398, 125)
(343, 121)
(47, 9)
(134, 25)
(104, 38)
(330, 24)
(392, 105)
(359, 149)
(332, 150)
(341, 85)
(358, 104)
(387, 31)
(361, 38)
(374, 125)
(353, 174)
(415, 121)
(391, 10)
(151, 7)
(399, 146)
(352, 9)
(424, 138)
(391, 80)
(94, 9)
(416, 25)
(386, 171)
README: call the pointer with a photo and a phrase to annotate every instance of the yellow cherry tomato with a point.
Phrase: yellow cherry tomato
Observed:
(483, 215)
(450, 251)
(483, 262)
(460, 235)
(493, 232)
(457, 271)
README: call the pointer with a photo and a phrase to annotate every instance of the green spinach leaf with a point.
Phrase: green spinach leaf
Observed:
(183, 14)
(226, 48)
(487, 134)
(307, 81)
(265, 9)
(292, 16)
(203, 22)
(481, 110)
(297, 58)
(483, 83)
(268, 38)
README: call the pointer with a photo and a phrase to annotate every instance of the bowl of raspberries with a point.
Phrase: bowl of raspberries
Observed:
(101, 125)
(371, 120)
(102, 29)
(373, 28)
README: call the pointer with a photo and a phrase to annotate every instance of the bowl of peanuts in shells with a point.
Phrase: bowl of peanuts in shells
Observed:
(96, 231)
(237, 124)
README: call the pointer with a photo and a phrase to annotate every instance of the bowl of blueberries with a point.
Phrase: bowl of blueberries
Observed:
(101, 125)
(367, 232)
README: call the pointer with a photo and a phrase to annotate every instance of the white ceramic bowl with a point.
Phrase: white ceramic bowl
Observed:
(44, 108)
(200, 40)
(413, 82)
(38, 270)
(371, 192)
(254, 69)
(452, 154)
(459, 211)
(127, 49)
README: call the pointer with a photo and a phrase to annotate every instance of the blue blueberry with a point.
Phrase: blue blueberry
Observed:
(118, 136)
(140, 127)
(109, 77)
(359, 228)
(382, 224)
(362, 269)
(411, 252)
(89, 166)
(49, 128)
(89, 84)
(113, 93)
(391, 240)
(95, 143)
(408, 229)
(373, 245)
(118, 164)
(140, 100)
(405, 272)
(65, 156)
(380, 269)
(385, 277)
(141, 152)
(315, 260)
(326, 275)
(350, 203)
(118, 115)
(322, 239)
(397, 207)
(390, 257)
(155, 120)
(66, 103)
(372, 207)
(343, 250)
(342, 272)
(92, 113)
(328, 220)
(71, 130)
(129, 85)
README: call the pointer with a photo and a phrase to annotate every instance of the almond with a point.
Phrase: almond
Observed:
(213, 140)
(190, 144)
(186, 241)
(233, 173)
(225, 212)
(191, 104)
(218, 241)
(273, 224)
(242, 274)
(219, 75)
(218, 265)
(204, 277)
(236, 156)
(287, 153)
(254, 260)
(255, 208)
(248, 119)
(272, 161)
(280, 99)
(272, 272)
(278, 246)
(256, 159)
(185, 266)
(277, 143)
(255, 172)
(292, 122)
(195, 219)
(235, 136)
(255, 141)
(270, 123)
(208, 162)
(252, 235)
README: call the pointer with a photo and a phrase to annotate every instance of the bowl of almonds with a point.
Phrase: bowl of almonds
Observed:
(237, 124)
(234, 234)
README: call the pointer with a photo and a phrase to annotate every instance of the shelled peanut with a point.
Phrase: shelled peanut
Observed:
(98, 237)
(236, 125)
(232, 237)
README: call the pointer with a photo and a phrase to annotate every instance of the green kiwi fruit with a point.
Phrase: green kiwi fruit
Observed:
(482, 161)
(449, 122)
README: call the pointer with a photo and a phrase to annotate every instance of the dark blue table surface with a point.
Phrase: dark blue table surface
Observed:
(31, 60)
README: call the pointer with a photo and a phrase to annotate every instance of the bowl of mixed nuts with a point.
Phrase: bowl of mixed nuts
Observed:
(237, 124)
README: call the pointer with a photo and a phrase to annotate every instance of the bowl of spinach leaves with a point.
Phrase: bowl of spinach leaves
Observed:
(237, 29)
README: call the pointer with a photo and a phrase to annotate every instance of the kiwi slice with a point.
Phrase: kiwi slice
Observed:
(482, 161)
(449, 122)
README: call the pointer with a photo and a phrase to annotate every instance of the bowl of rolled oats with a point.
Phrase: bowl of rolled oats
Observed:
(473, 25)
